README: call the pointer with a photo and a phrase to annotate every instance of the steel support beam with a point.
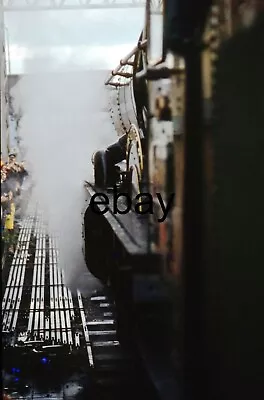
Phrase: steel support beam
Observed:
(42, 5)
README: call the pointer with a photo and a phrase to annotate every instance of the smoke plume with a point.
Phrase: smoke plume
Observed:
(64, 121)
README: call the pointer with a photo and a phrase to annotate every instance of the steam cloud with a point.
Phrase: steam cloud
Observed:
(64, 121)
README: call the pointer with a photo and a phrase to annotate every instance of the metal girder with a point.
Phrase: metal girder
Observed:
(42, 5)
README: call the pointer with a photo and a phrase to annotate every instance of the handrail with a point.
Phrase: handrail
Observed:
(126, 61)
(117, 84)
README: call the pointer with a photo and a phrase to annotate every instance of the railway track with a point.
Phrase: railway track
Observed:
(75, 336)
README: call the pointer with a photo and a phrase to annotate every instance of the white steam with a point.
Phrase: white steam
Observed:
(64, 121)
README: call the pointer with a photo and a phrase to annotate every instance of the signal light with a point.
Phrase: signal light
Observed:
(15, 370)
(44, 360)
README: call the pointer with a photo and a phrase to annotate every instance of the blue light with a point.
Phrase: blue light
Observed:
(15, 370)
(16, 379)
(44, 360)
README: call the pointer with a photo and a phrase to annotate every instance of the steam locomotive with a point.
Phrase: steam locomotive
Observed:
(166, 97)
(149, 108)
